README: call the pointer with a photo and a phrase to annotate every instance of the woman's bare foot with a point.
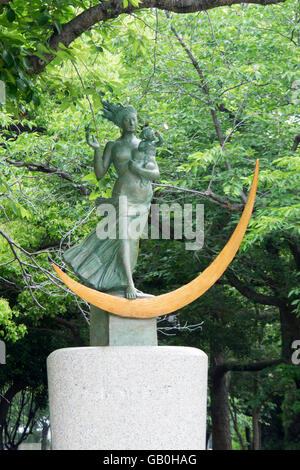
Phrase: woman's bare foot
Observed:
(142, 295)
(131, 292)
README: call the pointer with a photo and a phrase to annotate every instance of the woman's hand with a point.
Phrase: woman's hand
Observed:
(131, 164)
(150, 174)
(91, 140)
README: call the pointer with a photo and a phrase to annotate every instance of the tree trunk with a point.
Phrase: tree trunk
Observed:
(256, 428)
(248, 437)
(290, 330)
(220, 414)
(45, 430)
(5, 403)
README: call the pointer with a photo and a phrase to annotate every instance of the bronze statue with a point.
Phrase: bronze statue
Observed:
(107, 265)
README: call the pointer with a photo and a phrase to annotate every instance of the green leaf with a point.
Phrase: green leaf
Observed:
(25, 63)
(28, 96)
(10, 14)
(94, 194)
(135, 3)
(57, 26)
(36, 100)
(8, 58)
(43, 19)
(91, 177)
(42, 48)
(21, 84)
(25, 214)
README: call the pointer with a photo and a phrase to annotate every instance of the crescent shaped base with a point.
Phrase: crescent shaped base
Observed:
(179, 298)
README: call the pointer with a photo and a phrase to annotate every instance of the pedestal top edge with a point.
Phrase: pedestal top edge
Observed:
(163, 350)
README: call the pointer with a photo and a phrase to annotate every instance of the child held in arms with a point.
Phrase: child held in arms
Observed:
(144, 155)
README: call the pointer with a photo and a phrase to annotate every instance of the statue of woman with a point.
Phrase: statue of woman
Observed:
(107, 264)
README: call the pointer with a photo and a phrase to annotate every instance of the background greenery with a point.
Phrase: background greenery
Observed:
(226, 83)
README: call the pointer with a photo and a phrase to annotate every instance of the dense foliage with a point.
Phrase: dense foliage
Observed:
(225, 83)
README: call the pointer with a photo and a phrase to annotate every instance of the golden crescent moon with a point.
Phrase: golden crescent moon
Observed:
(167, 303)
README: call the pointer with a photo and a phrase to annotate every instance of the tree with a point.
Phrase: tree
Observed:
(37, 32)
(223, 83)
(23, 379)
(213, 95)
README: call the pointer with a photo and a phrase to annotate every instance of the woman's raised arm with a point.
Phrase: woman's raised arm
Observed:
(101, 163)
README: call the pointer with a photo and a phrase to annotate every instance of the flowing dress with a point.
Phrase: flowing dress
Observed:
(97, 261)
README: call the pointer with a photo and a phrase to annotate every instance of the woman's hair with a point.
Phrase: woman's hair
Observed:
(116, 112)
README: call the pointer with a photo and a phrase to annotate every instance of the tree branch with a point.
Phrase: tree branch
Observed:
(252, 367)
(294, 248)
(208, 194)
(233, 414)
(217, 125)
(233, 366)
(72, 328)
(44, 168)
(296, 143)
(246, 291)
(114, 8)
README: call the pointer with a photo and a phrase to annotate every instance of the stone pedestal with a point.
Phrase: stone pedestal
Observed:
(128, 398)
(107, 329)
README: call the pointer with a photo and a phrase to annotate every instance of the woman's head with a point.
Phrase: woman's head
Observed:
(124, 117)
(129, 121)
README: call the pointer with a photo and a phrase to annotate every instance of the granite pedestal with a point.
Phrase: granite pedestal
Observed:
(128, 398)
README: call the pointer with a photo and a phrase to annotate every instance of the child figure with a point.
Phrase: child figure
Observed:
(144, 155)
